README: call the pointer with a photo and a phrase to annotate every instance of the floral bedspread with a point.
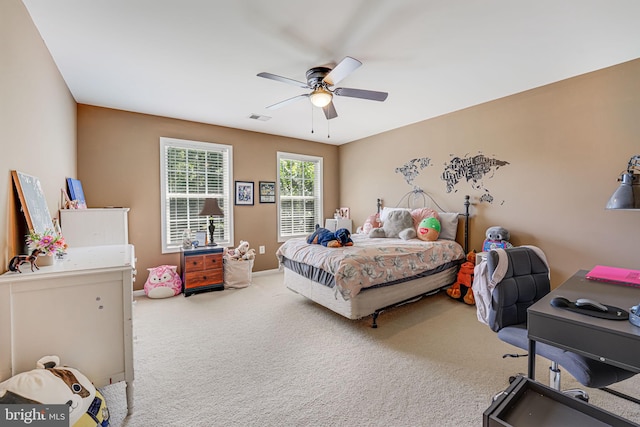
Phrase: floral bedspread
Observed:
(370, 262)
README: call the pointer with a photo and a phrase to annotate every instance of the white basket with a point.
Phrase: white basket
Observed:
(237, 273)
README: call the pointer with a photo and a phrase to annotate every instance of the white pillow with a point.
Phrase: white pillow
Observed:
(448, 225)
(384, 214)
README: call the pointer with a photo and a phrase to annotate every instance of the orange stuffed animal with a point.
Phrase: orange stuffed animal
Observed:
(461, 289)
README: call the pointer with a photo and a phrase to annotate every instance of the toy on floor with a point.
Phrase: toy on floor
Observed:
(242, 252)
(163, 282)
(461, 289)
(324, 237)
(496, 238)
(18, 260)
(51, 384)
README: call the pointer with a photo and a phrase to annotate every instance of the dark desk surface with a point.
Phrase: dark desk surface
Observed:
(610, 341)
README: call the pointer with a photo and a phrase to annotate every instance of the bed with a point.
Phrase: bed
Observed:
(373, 275)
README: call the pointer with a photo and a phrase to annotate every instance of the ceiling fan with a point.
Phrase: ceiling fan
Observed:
(320, 80)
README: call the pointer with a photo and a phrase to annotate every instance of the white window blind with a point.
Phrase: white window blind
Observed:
(191, 172)
(299, 194)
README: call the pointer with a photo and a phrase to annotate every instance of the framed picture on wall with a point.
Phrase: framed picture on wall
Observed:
(267, 192)
(244, 193)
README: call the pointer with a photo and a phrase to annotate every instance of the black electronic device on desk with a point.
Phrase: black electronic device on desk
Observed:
(590, 307)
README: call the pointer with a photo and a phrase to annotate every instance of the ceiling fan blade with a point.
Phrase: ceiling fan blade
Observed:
(287, 101)
(330, 111)
(342, 70)
(284, 80)
(360, 93)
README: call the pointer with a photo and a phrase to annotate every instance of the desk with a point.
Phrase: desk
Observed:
(616, 342)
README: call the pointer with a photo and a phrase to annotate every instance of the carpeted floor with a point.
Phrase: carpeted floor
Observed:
(265, 356)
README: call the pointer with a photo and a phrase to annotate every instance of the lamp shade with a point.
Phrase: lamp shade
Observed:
(211, 208)
(321, 97)
(623, 198)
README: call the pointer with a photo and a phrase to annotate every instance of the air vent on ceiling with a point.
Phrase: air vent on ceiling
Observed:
(259, 117)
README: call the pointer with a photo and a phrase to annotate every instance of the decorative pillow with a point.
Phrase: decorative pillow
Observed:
(422, 213)
(373, 221)
(449, 225)
(428, 229)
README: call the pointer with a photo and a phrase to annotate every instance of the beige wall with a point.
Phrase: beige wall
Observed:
(37, 119)
(566, 143)
(119, 165)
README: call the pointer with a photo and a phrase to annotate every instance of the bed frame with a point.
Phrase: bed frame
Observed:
(374, 301)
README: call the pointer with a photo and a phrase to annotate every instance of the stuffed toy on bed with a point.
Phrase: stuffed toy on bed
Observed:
(398, 223)
(324, 237)
(429, 229)
(51, 384)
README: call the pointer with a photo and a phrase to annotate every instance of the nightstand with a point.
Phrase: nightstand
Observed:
(202, 269)
(336, 224)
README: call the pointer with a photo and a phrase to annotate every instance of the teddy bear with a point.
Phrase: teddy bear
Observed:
(399, 223)
(324, 237)
(242, 252)
(52, 384)
(496, 238)
(461, 289)
(163, 282)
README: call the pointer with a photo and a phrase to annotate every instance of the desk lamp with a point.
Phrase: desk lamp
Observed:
(623, 197)
(211, 209)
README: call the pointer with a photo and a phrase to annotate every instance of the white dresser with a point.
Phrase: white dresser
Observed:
(95, 226)
(336, 224)
(79, 309)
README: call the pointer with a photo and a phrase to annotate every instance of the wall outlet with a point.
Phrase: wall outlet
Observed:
(261, 249)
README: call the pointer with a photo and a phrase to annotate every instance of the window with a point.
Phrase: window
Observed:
(299, 195)
(191, 172)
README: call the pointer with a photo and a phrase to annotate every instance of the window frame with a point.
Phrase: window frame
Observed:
(318, 178)
(227, 197)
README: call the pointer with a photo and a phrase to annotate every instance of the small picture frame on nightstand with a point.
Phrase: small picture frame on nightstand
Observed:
(201, 238)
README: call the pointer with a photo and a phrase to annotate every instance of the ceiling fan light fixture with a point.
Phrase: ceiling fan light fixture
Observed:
(320, 97)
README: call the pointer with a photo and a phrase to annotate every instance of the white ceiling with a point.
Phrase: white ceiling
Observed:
(198, 59)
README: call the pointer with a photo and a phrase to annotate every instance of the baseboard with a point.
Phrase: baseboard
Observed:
(140, 292)
(266, 272)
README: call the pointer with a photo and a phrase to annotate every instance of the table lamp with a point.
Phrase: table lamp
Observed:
(623, 197)
(211, 209)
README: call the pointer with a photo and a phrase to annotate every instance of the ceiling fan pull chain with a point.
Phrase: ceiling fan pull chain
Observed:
(311, 118)
(328, 124)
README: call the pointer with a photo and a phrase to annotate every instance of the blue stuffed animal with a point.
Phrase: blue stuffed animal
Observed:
(324, 237)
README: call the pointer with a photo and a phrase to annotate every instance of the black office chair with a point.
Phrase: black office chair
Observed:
(525, 282)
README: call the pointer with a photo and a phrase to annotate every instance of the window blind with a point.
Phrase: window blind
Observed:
(193, 171)
(299, 194)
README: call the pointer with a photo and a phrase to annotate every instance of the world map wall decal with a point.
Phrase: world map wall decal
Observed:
(410, 169)
(472, 169)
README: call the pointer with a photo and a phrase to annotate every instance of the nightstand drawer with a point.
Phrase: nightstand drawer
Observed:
(203, 278)
(194, 263)
(212, 261)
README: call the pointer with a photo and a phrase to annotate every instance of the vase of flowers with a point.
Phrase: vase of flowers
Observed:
(49, 243)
